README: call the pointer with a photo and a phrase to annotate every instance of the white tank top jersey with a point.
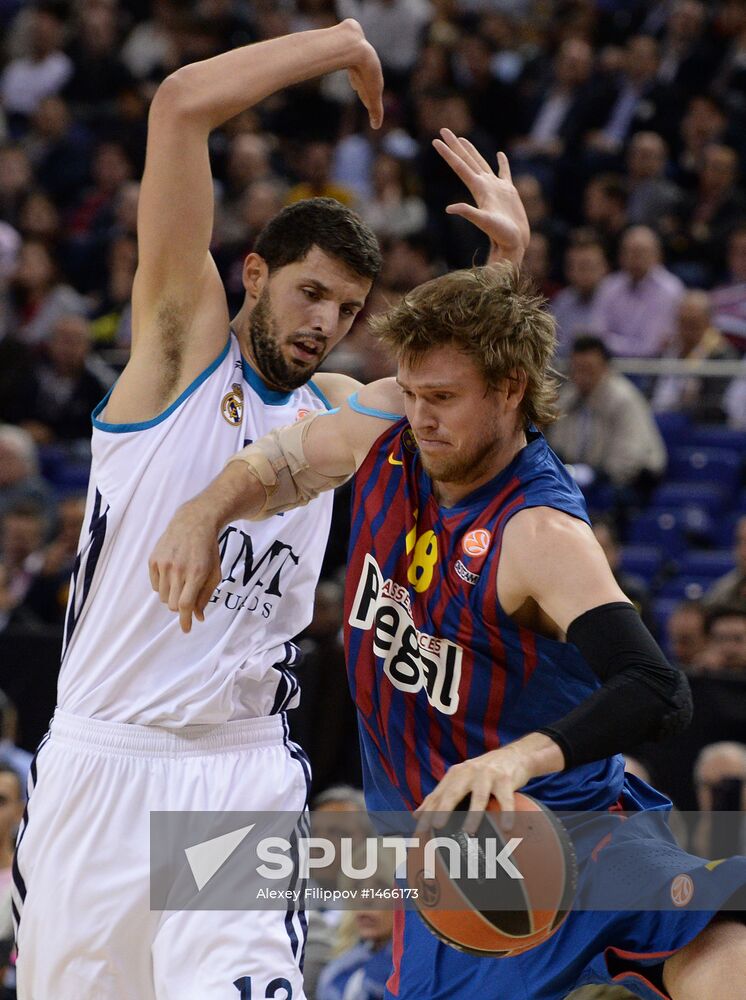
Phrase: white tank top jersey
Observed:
(124, 657)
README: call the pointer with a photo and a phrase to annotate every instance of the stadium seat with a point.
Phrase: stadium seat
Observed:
(641, 560)
(716, 436)
(685, 587)
(663, 528)
(709, 497)
(712, 564)
(722, 466)
(675, 428)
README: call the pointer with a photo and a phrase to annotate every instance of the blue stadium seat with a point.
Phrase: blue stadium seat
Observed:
(716, 436)
(675, 428)
(713, 564)
(663, 528)
(690, 587)
(641, 560)
(712, 465)
(710, 497)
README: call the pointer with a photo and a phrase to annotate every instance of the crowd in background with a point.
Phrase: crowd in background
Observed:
(624, 122)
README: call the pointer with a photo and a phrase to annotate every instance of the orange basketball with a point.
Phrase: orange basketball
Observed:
(499, 892)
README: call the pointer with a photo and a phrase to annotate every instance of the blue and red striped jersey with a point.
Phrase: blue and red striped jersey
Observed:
(438, 671)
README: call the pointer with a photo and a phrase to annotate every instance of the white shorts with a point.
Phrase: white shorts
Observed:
(82, 882)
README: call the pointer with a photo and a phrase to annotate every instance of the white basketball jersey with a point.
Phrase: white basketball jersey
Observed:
(125, 659)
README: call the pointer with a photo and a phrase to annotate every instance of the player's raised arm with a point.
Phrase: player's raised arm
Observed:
(285, 469)
(498, 211)
(180, 315)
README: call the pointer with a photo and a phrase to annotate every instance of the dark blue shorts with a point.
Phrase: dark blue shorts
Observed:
(636, 863)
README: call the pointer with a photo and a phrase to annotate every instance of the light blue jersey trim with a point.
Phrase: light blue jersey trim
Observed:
(145, 424)
(272, 397)
(317, 392)
(367, 411)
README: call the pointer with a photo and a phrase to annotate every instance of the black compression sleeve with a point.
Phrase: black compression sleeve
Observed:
(642, 697)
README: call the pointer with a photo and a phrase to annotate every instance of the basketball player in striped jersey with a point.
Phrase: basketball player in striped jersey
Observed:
(489, 648)
(149, 718)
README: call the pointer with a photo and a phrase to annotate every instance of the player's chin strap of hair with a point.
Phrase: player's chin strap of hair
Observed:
(278, 460)
(642, 696)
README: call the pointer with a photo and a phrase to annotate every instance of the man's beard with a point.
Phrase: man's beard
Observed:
(265, 346)
(460, 467)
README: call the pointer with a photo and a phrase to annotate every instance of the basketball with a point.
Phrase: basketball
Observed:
(509, 890)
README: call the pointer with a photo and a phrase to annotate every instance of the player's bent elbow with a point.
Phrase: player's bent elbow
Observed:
(177, 97)
(680, 709)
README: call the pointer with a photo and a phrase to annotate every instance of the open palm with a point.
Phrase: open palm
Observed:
(498, 210)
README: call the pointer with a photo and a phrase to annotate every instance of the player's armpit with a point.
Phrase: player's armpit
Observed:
(554, 559)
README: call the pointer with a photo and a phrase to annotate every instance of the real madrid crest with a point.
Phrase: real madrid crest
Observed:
(232, 405)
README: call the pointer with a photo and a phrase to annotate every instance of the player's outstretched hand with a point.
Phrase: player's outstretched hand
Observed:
(185, 563)
(365, 73)
(498, 211)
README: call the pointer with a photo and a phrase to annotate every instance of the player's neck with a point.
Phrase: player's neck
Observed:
(241, 330)
(450, 492)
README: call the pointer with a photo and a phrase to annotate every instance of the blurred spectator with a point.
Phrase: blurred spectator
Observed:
(20, 482)
(652, 197)
(634, 587)
(729, 298)
(395, 209)
(484, 90)
(574, 307)
(707, 215)
(606, 422)
(393, 28)
(553, 119)
(704, 122)
(56, 401)
(688, 57)
(21, 537)
(60, 149)
(314, 163)
(720, 779)
(731, 588)
(364, 941)
(42, 71)
(325, 691)
(726, 639)
(98, 72)
(637, 304)
(11, 811)
(337, 812)
(111, 313)
(18, 758)
(605, 210)
(685, 636)
(16, 180)
(695, 339)
(149, 48)
(638, 99)
(40, 296)
(537, 264)
(13, 614)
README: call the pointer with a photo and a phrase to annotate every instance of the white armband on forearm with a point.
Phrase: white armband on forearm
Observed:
(278, 461)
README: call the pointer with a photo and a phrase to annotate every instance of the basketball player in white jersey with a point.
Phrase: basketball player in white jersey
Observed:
(149, 718)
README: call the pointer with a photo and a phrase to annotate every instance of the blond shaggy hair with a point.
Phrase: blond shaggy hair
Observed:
(493, 315)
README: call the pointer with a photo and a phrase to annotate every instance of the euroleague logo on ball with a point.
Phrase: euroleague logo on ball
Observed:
(476, 542)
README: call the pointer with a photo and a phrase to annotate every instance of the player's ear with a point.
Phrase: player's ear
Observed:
(515, 389)
(255, 275)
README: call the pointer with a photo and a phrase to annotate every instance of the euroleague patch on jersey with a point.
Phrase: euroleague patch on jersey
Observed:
(412, 660)
(476, 542)
(301, 414)
(232, 405)
(682, 890)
